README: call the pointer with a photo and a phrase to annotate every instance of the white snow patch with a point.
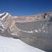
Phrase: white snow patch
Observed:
(2, 14)
(36, 30)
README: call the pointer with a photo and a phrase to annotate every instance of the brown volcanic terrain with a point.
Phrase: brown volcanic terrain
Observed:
(38, 17)
(27, 18)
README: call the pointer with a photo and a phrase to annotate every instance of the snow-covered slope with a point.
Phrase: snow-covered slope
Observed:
(15, 45)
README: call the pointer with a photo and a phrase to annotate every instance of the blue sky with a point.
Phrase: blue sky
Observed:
(25, 7)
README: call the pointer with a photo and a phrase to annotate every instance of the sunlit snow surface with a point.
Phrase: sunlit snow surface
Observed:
(15, 45)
